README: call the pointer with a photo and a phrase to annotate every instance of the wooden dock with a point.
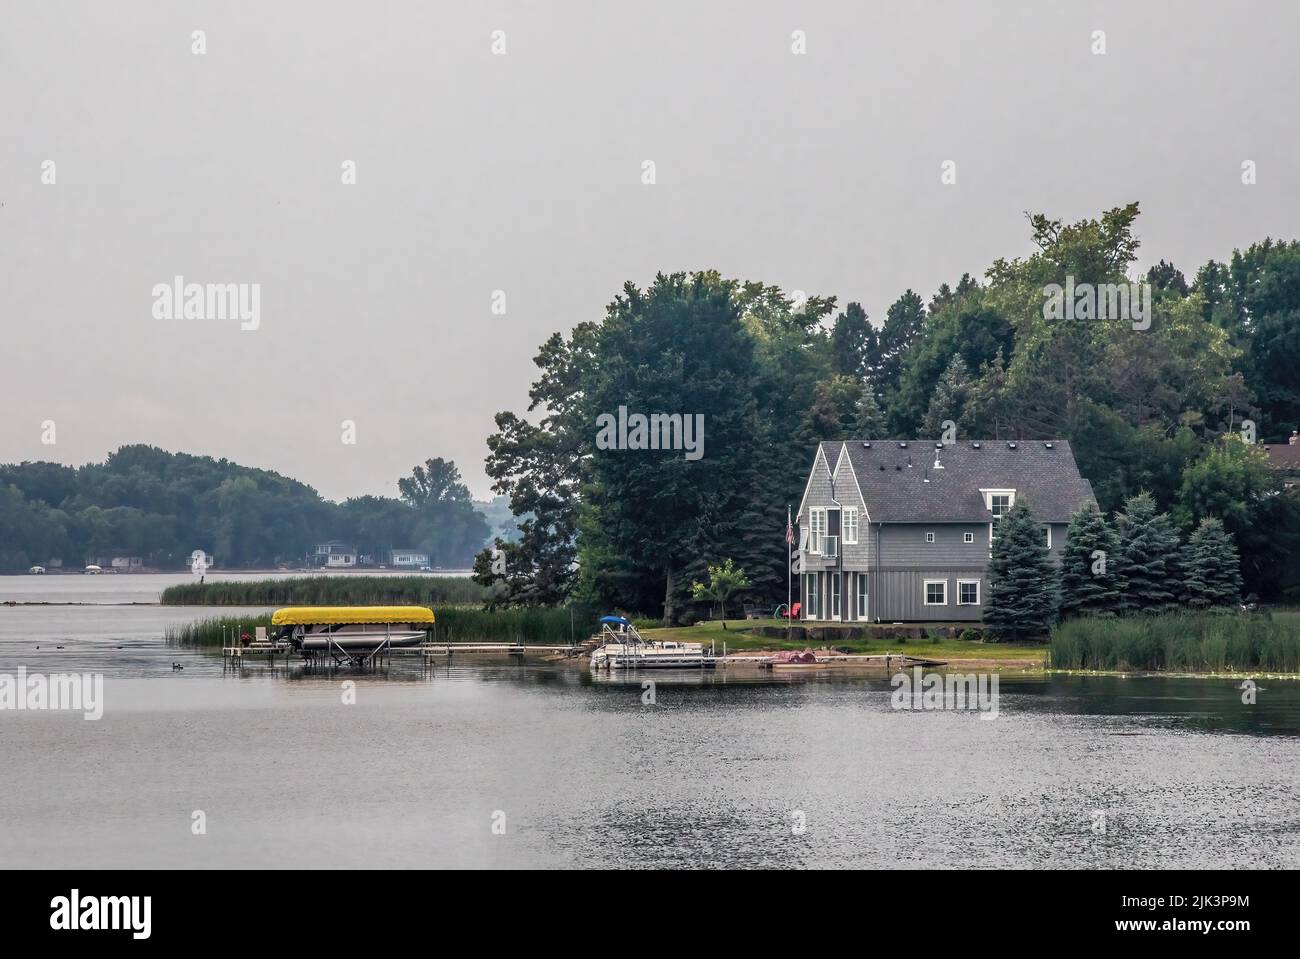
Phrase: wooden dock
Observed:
(235, 655)
(884, 661)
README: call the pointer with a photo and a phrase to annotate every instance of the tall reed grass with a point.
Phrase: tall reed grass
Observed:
(214, 632)
(329, 591)
(1178, 642)
(540, 626)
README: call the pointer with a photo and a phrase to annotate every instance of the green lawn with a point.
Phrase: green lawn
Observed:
(737, 636)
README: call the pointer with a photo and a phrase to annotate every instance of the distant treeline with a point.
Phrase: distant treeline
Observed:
(1186, 642)
(159, 506)
(549, 626)
(433, 591)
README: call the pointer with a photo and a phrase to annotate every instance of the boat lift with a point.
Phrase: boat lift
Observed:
(338, 636)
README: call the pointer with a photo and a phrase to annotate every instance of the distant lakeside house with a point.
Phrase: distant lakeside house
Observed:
(339, 555)
(120, 561)
(335, 555)
(1284, 458)
(901, 530)
(409, 558)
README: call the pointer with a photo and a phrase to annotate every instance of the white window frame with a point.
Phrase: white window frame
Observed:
(926, 591)
(863, 597)
(810, 597)
(988, 494)
(968, 537)
(968, 582)
(929, 537)
(816, 529)
(1049, 535)
(836, 589)
(849, 525)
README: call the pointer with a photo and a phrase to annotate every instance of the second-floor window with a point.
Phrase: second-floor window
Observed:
(1001, 504)
(816, 529)
(850, 524)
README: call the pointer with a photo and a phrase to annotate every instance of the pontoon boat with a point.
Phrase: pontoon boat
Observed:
(351, 628)
(622, 647)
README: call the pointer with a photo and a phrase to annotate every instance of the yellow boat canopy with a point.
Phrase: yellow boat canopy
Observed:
(345, 615)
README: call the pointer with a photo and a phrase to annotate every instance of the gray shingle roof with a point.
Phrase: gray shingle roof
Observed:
(1044, 476)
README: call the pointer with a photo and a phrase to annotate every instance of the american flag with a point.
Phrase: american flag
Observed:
(789, 530)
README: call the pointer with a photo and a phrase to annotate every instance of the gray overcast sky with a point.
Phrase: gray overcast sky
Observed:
(522, 173)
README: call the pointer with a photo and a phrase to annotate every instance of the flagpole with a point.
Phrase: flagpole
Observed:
(789, 575)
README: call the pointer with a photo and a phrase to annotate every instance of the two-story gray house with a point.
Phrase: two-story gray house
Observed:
(901, 530)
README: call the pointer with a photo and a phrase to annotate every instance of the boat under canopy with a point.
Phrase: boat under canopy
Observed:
(350, 615)
(351, 628)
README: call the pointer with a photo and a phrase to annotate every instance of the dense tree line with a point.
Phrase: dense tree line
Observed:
(160, 506)
(1148, 409)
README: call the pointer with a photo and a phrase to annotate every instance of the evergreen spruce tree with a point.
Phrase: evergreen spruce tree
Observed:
(1211, 567)
(948, 399)
(1022, 594)
(1149, 557)
(1089, 586)
(850, 342)
(869, 421)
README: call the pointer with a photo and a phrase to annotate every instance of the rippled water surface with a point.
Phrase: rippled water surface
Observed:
(721, 770)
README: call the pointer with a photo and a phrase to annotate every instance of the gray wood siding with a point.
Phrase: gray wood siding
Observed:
(900, 596)
(819, 496)
(1058, 541)
(903, 546)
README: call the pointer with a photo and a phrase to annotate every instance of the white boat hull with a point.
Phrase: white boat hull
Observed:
(652, 656)
(361, 640)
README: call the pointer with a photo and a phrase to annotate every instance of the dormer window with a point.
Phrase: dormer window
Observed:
(999, 501)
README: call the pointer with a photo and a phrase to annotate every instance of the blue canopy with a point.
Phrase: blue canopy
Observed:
(618, 620)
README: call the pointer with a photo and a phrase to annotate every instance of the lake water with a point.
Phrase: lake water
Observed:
(733, 768)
